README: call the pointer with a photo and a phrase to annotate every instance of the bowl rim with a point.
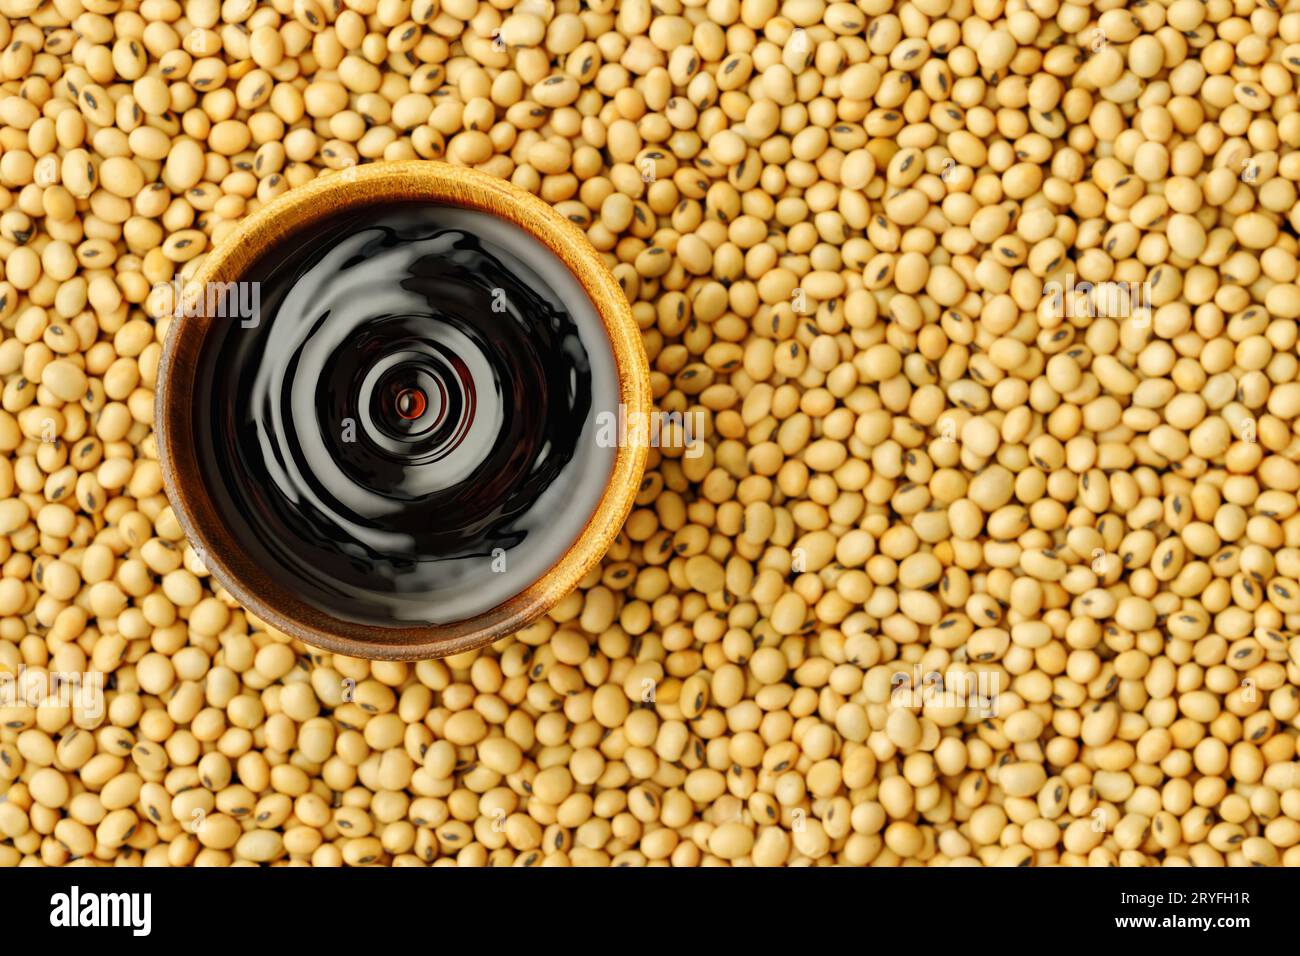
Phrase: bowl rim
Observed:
(187, 328)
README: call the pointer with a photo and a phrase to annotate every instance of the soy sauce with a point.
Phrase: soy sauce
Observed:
(407, 434)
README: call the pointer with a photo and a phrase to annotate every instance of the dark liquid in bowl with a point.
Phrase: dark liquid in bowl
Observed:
(408, 435)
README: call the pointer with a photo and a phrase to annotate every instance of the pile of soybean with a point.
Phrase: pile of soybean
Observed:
(877, 247)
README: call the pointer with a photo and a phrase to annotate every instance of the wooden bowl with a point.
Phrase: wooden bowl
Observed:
(260, 592)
